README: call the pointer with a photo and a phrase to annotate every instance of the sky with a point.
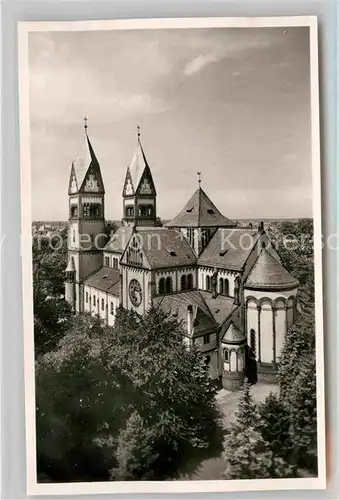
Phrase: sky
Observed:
(231, 103)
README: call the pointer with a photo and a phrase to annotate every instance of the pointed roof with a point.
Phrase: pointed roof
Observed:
(199, 211)
(138, 167)
(70, 266)
(268, 273)
(233, 334)
(85, 158)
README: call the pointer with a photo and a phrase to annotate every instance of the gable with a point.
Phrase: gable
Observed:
(92, 182)
(134, 254)
(146, 184)
(73, 186)
(128, 185)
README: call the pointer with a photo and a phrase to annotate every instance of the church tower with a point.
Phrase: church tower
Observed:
(139, 194)
(86, 228)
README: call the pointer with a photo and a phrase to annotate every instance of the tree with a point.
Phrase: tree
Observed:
(128, 402)
(303, 415)
(275, 426)
(51, 312)
(247, 455)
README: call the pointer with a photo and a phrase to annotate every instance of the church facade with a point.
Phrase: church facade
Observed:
(226, 284)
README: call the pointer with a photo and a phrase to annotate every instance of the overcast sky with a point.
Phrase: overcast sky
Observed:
(232, 103)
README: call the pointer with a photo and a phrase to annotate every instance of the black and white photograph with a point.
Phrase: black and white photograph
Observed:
(172, 255)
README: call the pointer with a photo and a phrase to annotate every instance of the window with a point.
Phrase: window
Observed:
(183, 282)
(252, 340)
(115, 263)
(189, 282)
(107, 261)
(207, 360)
(102, 304)
(162, 286)
(208, 283)
(74, 211)
(190, 236)
(263, 245)
(221, 286)
(73, 232)
(129, 211)
(86, 297)
(226, 287)
(226, 356)
(207, 338)
(112, 308)
(145, 211)
(94, 300)
(168, 285)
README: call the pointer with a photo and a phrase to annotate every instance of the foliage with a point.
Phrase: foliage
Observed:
(129, 402)
(247, 454)
(51, 312)
(290, 420)
(303, 415)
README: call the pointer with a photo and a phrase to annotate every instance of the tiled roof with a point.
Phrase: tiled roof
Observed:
(221, 307)
(165, 247)
(199, 211)
(233, 334)
(229, 248)
(267, 272)
(119, 239)
(177, 303)
(106, 280)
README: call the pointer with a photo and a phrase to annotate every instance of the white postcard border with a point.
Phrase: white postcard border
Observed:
(35, 488)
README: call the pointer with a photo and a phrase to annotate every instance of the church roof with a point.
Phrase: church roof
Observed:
(221, 307)
(199, 211)
(177, 303)
(105, 279)
(267, 272)
(119, 239)
(137, 169)
(233, 334)
(165, 247)
(85, 158)
(229, 248)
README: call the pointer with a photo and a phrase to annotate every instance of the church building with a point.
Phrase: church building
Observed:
(226, 284)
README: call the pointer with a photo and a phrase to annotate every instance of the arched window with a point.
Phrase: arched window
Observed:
(207, 360)
(168, 285)
(183, 282)
(112, 308)
(221, 286)
(226, 287)
(107, 261)
(208, 283)
(226, 356)
(189, 283)
(162, 286)
(87, 297)
(102, 304)
(252, 340)
(94, 300)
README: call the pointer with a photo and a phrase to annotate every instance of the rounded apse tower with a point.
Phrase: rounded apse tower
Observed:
(270, 295)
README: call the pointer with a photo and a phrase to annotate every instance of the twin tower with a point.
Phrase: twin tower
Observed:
(87, 228)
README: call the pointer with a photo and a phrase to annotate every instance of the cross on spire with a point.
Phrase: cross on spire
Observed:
(138, 132)
(85, 123)
(199, 178)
